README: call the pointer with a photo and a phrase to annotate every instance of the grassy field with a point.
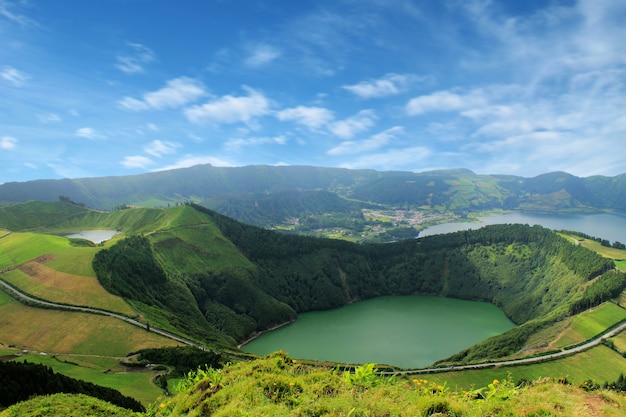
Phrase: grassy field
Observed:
(599, 364)
(38, 279)
(589, 324)
(60, 332)
(607, 252)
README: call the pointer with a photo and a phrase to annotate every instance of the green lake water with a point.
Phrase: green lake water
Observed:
(406, 331)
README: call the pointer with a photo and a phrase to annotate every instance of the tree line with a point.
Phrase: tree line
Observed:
(20, 381)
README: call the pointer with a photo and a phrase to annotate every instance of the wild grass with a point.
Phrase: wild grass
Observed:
(66, 405)
(279, 386)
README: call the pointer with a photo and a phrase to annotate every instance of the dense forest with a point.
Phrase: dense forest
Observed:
(21, 381)
(532, 273)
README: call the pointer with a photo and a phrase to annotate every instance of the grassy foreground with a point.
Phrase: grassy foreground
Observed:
(280, 386)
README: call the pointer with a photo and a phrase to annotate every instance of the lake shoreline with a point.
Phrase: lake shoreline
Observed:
(256, 335)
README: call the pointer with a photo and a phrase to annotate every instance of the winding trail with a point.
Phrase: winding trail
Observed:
(23, 297)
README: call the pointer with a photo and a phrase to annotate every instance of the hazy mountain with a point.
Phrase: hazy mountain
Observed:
(260, 194)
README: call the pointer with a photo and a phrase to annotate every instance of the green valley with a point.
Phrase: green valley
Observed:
(215, 282)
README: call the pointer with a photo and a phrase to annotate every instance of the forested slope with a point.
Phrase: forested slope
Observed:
(217, 280)
(243, 278)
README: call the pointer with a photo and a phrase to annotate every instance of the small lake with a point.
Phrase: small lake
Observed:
(606, 226)
(96, 236)
(406, 331)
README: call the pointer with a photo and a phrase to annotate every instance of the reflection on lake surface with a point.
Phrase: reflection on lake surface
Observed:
(406, 331)
(96, 236)
(606, 226)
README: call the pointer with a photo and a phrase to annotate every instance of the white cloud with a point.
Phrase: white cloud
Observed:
(7, 143)
(311, 117)
(137, 161)
(375, 142)
(230, 109)
(133, 60)
(189, 161)
(388, 85)
(262, 54)
(349, 127)
(176, 93)
(235, 144)
(5, 12)
(444, 101)
(394, 159)
(159, 148)
(13, 76)
(49, 118)
(88, 133)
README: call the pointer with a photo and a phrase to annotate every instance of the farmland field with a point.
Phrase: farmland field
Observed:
(576, 369)
(589, 324)
(56, 331)
(37, 279)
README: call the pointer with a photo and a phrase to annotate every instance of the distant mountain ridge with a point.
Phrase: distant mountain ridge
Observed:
(253, 193)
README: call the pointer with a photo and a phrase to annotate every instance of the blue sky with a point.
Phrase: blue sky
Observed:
(121, 87)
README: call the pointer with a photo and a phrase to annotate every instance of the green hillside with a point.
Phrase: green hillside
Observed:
(215, 280)
(211, 278)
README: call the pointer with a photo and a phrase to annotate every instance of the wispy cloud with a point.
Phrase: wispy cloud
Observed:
(262, 54)
(158, 148)
(88, 133)
(410, 158)
(137, 161)
(230, 109)
(311, 117)
(349, 127)
(390, 84)
(176, 93)
(376, 141)
(444, 101)
(7, 143)
(236, 144)
(6, 12)
(49, 118)
(13, 76)
(133, 60)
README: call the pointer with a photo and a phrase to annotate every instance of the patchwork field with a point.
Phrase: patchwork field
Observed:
(36, 278)
(576, 369)
(53, 331)
(589, 324)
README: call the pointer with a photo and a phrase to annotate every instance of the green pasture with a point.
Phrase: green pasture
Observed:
(64, 288)
(133, 384)
(599, 364)
(18, 248)
(620, 342)
(63, 332)
(4, 298)
(607, 252)
(590, 323)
